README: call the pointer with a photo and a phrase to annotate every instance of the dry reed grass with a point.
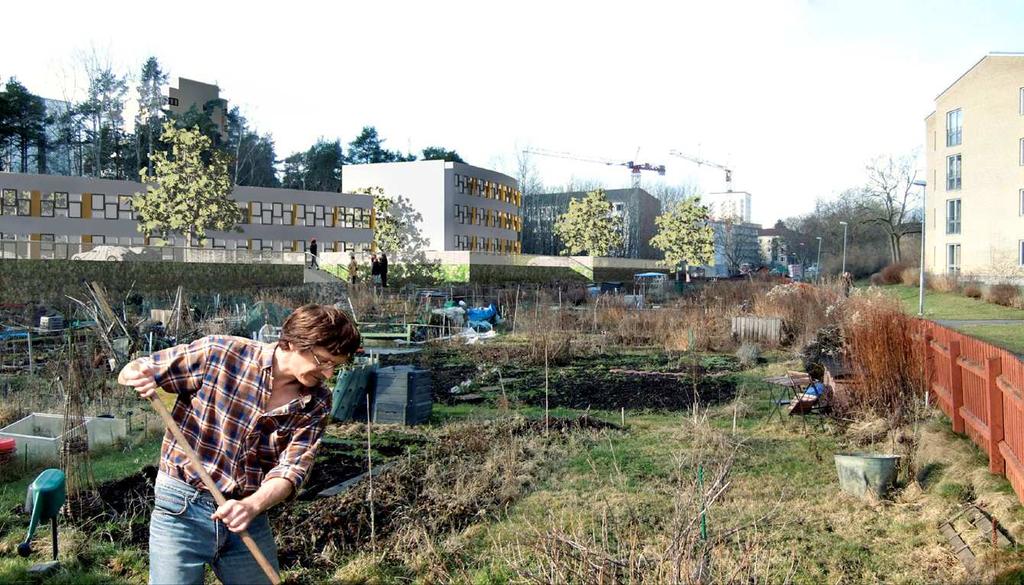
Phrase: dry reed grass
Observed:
(887, 365)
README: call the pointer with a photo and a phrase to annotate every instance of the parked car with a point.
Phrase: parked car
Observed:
(118, 254)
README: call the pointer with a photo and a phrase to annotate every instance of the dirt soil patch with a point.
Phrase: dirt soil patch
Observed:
(126, 502)
(605, 389)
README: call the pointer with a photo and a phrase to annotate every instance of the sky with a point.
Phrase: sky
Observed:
(795, 96)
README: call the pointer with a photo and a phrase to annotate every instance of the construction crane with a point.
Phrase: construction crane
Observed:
(700, 162)
(634, 167)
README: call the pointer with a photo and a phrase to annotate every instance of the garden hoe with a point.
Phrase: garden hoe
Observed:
(212, 487)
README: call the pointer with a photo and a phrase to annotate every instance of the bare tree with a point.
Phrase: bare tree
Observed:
(669, 195)
(527, 175)
(889, 199)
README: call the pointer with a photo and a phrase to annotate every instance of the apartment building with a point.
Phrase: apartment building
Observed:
(463, 207)
(204, 96)
(728, 205)
(70, 214)
(974, 143)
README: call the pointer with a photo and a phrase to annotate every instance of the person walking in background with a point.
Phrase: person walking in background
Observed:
(375, 268)
(313, 263)
(353, 268)
(383, 269)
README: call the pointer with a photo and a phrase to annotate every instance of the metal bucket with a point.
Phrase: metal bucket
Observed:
(861, 474)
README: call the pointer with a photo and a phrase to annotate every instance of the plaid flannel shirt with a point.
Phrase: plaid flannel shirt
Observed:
(223, 385)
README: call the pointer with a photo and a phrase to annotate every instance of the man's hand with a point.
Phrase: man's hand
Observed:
(236, 514)
(141, 374)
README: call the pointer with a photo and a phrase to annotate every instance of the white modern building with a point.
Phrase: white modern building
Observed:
(728, 206)
(463, 207)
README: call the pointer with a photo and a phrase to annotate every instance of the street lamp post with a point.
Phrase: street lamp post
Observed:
(845, 225)
(818, 265)
(920, 283)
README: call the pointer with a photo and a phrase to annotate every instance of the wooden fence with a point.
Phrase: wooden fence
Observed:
(766, 329)
(981, 388)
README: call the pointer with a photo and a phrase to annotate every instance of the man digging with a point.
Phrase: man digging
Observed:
(254, 413)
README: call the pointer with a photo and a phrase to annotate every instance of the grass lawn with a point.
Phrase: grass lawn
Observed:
(1009, 337)
(939, 305)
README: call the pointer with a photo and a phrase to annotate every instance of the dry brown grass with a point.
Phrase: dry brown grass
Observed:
(1002, 294)
(886, 363)
(944, 283)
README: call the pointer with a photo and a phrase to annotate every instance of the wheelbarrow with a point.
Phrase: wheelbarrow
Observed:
(45, 497)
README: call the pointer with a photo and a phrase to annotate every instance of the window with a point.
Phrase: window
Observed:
(953, 216)
(46, 205)
(1022, 101)
(257, 244)
(24, 203)
(257, 213)
(1022, 152)
(9, 203)
(310, 215)
(458, 216)
(954, 128)
(124, 207)
(1020, 250)
(300, 214)
(1020, 202)
(75, 205)
(953, 258)
(267, 214)
(244, 207)
(953, 172)
(60, 204)
(278, 212)
(172, 101)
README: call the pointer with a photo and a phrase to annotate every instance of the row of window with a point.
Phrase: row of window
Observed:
(465, 214)
(467, 185)
(491, 245)
(953, 257)
(954, 212)
(955, 122)
(65, 205)
(48, 240)
(274, 213)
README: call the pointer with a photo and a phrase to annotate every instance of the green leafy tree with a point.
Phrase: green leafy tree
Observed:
(684, 234)
(186, 194)
(441, 153)
(589, 226)
(368, 147)
(396, 231)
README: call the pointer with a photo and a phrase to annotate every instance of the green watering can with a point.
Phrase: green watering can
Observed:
(45, 497)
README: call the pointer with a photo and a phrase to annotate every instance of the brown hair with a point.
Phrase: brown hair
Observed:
(322, 325)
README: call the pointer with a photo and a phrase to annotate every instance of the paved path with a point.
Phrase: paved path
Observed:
(955, 322)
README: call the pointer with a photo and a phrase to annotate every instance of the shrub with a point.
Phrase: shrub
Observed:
(944, 283)
(892, 274)
(887, 364)
(748, 354)
(911, 276)
(1002, 294)
(876, 279)
(973, 290)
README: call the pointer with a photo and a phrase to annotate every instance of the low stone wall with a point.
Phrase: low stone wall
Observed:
(44, 281)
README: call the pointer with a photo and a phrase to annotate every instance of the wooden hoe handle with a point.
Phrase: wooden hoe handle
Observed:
(211, 486)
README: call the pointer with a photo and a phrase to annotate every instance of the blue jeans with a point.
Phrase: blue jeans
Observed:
(183, 539)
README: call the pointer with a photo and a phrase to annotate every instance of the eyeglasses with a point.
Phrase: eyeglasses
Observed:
(321, 365)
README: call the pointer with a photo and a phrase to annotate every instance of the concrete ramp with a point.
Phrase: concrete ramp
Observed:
(311, 275)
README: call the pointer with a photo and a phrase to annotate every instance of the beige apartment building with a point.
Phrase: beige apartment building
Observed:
(204, 96)
(974, 148)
